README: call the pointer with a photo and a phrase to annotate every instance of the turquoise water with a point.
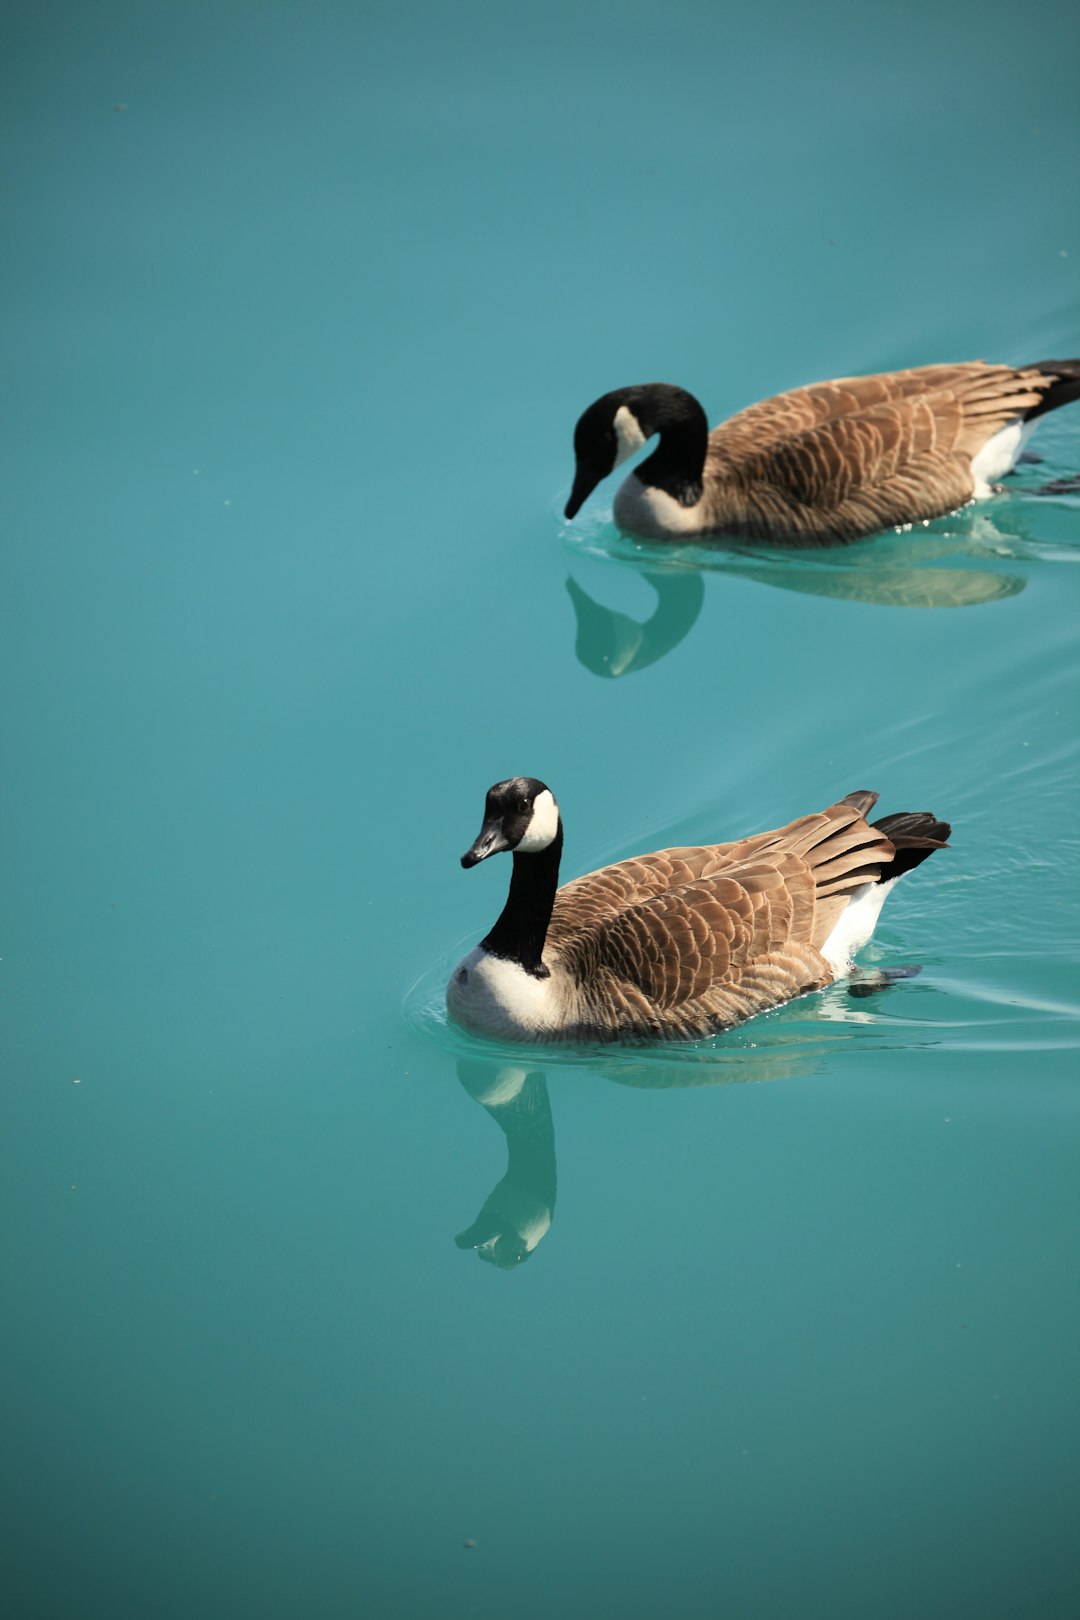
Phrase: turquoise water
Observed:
(301, 306)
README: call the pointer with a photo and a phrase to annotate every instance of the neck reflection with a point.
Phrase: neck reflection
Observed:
(518, 1212)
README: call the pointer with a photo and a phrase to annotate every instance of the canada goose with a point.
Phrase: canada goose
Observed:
(821, 465)
(682, 942)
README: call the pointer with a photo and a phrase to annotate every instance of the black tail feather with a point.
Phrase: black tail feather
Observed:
(914, 835)
(1062, 391)
(861, 800)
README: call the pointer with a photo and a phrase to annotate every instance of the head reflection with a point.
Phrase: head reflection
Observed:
(610, 643)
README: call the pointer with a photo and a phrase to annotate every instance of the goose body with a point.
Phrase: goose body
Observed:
(678, 943)
(822, 465)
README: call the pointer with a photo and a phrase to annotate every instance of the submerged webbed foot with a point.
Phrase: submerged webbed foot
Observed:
(868, 981)
(1069, 485)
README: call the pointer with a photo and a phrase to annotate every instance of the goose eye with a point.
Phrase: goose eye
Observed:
(523, 805)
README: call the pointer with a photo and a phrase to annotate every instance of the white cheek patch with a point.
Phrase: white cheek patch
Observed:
(532, 1231)
(543, 825)
(628, 433)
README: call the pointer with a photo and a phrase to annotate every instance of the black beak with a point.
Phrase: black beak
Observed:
(492, 841)
(585, 481)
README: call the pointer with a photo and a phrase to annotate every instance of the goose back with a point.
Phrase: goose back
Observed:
(692, 939)
(834, 461)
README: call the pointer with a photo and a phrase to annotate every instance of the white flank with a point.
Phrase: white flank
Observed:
(652, 513)
(998, 456)
(856, 925)
(543, 825)
(491, 994)
(628, 433)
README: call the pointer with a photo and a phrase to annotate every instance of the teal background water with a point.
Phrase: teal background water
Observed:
(301, 306)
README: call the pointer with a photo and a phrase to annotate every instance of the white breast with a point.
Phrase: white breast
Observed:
(653, 514)
(504, 1088)
(498, 997)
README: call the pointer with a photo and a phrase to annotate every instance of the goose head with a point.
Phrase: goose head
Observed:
(617, 424)
(521, 815)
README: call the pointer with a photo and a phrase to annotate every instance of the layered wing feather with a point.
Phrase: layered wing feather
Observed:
(694, 938)
(837, 460)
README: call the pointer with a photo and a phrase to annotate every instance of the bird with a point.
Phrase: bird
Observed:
(822, 465)
(680, 943)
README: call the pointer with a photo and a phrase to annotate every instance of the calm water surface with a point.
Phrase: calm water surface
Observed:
(302, 303)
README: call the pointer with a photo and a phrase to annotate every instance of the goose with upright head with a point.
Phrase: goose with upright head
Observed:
(822, 465)
(678, 943)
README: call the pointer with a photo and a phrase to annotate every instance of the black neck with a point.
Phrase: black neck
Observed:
(677, 464)
(521, 930)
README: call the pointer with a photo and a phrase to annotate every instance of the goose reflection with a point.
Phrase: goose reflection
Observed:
(518, 1211)
(788, 1044)
(895, 571)
(901, 571)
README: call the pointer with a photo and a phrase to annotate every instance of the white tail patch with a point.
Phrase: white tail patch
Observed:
(856, 925)
(998, 456)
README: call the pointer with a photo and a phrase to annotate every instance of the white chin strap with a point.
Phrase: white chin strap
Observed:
(543, 825)
(628, 433)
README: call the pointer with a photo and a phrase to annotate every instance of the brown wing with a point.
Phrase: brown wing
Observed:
(838, 460)
(590, 900)
(771, 421)
(611, 890)
(740, 933)
(677, 946)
